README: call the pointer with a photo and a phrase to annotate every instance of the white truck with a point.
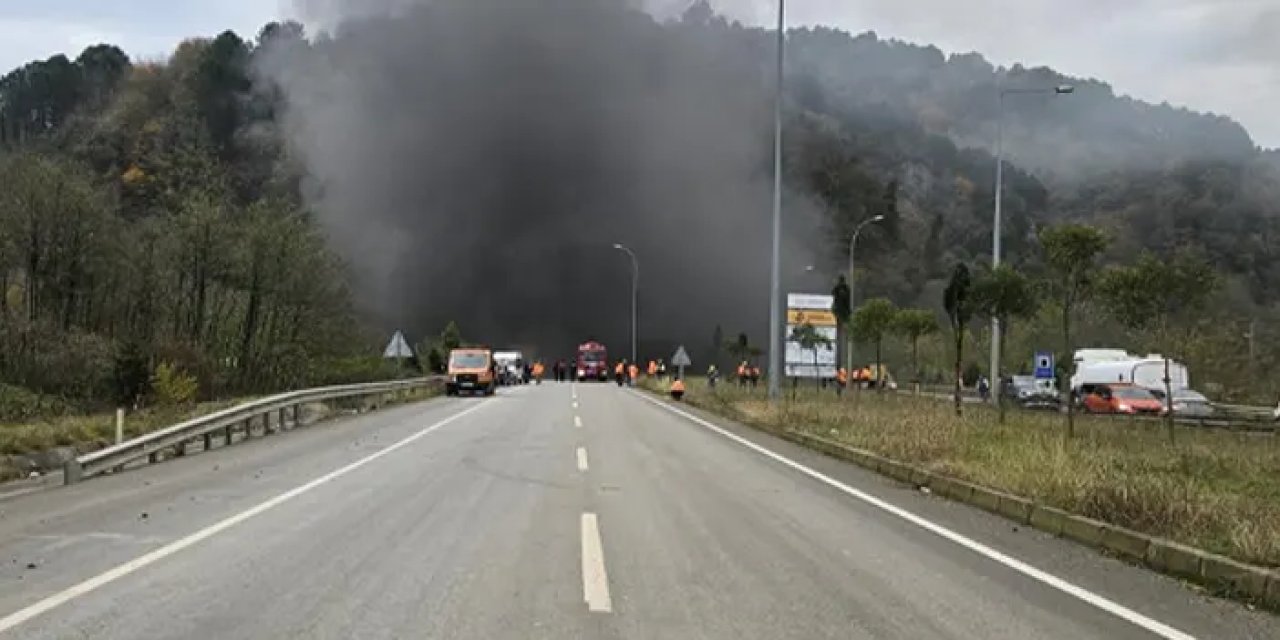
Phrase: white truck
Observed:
(1146, 372)
(510, 367)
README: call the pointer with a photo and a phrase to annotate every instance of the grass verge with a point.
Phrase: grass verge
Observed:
(1213, 489)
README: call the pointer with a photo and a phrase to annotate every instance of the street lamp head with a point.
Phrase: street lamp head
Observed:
(879, 218)
(617, 245)
(1064, 89)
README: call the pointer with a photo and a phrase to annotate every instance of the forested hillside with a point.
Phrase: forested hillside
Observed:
(148, 215)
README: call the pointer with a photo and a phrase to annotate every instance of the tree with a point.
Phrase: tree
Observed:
(914, 324)
(740, 348)
(1164, 295)
(451, 337)
(1003, 294)
(959, 310)
(871, 321)
(717, 344)
(1071, 251)
(842, 309)
(809, 339)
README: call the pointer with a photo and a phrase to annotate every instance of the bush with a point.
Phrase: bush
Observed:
(21, 405)
(172, 386)
(354, 370)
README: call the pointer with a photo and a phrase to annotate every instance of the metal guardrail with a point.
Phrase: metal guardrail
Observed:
(225, 421)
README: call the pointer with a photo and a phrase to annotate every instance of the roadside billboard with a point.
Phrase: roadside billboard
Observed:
(815, 310)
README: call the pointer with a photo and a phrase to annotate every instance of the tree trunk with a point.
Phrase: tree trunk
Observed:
(1070, 353)
(915, 362)
(998, 382)
(879, 367)
(251, 319)
(959, 358)
(1168, 401)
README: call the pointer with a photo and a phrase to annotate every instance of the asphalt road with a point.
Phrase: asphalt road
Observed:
(559, 511)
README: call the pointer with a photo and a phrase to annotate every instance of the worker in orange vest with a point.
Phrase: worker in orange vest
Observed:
(537, 372)
(743, 373)
(653, 368)
(755, 376)
(677, 389)
(620, 372)
(634, 372)
(842, 379)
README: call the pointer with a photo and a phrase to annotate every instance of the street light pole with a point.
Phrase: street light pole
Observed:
(635, 288)
(997, 218)
(853, 246)
(775, 275)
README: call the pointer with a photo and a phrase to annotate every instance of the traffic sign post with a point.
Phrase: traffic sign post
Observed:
(681, 360)
(1044, 365)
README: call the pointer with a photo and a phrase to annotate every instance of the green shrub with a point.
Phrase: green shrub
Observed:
(172, 386)
(18, 404)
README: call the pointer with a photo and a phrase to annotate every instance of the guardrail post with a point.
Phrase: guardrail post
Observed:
(208, 441)
(72, 472)
(226, 436)
(297, 415)
(266, 424)
(281, 415)
(248, 427)
(153, 457)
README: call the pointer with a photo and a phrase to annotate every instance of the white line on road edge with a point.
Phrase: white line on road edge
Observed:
(62, 597)
(582, 459)
(595, 582)
(1154, 626)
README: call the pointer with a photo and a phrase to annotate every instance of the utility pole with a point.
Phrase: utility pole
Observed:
(775, 286)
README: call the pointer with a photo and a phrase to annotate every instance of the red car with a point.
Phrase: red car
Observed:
(1121, 398)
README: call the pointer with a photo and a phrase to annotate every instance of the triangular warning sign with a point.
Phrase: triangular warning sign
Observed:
(681, 358)
(398, 347)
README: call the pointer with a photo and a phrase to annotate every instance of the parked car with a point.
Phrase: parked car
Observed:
(1120, 398)
(1030, 393)
(1188, 403)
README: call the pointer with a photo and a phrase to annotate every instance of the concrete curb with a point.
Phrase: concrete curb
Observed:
(1220, 574)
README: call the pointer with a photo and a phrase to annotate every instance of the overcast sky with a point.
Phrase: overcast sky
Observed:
(1209, 55)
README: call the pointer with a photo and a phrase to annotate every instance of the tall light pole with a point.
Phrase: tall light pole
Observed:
(775, 271)
(853, 305)
(1062, 89)
(635, 288)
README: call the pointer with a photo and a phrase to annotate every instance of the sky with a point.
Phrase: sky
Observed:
(1221, 56)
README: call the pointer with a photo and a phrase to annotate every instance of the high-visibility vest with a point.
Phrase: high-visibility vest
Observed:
(618, 368)
(653, 368)
(635, 371)
(537, 369)
(678, 385)
(742, 371)
(842, 376)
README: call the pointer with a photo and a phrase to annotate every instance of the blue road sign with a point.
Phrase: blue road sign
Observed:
(1044, 365)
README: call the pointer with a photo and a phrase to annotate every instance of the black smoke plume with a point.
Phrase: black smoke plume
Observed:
(476, 160)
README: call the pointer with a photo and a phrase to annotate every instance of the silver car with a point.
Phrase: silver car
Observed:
(1192, 404)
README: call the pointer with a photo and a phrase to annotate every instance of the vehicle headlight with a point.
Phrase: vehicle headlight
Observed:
(1179, 406)
(1125, 407)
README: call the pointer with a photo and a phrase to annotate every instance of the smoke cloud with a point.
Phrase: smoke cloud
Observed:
(476, 160)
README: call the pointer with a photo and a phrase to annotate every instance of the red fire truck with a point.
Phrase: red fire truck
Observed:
(592, 362)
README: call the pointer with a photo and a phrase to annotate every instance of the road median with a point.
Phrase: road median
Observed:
(1203, 510)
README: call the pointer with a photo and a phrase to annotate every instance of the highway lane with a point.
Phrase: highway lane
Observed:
(557, 511)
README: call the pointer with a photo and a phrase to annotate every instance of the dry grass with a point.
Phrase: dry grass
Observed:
(90, 432)
(1215, 490)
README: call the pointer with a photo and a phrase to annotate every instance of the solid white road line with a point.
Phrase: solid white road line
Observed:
(582, 459)
(595, 582)
(62, 597)
(577, 421)
(1101, 602)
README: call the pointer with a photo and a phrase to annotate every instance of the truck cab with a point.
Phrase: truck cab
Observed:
(470, 370)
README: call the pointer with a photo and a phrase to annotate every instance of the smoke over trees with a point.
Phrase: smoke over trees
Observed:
(478, 159)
